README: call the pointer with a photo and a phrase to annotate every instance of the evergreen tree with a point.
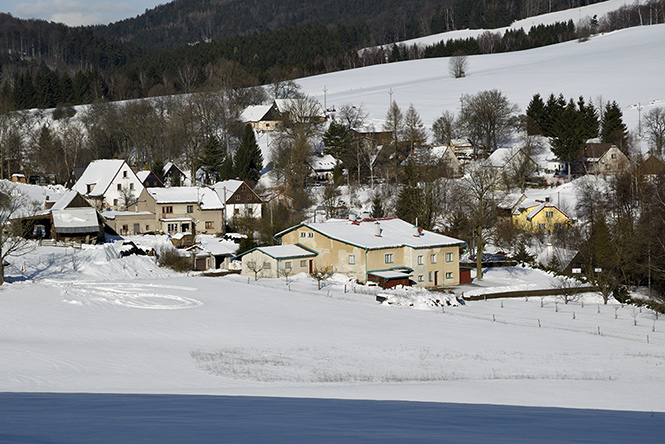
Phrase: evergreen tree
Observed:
(410, 198)
(226, 171)
(248, 160)
(553, 110)
(211, 159)
(413, 128)
(613, 130)
(568, 135)
(536, 112)
(337, 140)
(589, 117)
(377, 208)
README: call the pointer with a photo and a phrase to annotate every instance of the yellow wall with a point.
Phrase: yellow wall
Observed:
(540, 222)
(336, 254)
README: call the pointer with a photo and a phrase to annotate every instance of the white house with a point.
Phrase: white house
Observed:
(109, 183)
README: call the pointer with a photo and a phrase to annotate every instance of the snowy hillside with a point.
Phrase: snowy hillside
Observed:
(625, 66)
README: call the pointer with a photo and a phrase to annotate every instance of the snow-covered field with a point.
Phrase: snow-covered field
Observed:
(131, 327)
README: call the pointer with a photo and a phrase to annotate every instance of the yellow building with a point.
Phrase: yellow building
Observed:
(539, 216)
(388, 251)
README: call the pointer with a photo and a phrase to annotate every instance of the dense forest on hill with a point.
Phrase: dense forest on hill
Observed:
(44, 64)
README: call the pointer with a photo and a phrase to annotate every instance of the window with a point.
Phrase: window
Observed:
(287, 265)
(449, 275)
(124, 174)
(167, 209)
(420, 259)
(237, 197)
(607, 167)
(172, 227)
(430, 276)
(190, 208)
(210, 225)
(303, 234)
(549, 214)
(119, 187)
(352, 259)
(131, 186)
(310, 234)
(236, 211)
(420, 278)
(303, 263)
(541, 226)
(266, 266)
(432, 258)
(185, 227)
(125, 228)
(449, 257)
(389, 258)
(115, 202)
(147, 228)
(614, 156)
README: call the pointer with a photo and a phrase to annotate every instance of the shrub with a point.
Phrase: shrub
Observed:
(171, 259)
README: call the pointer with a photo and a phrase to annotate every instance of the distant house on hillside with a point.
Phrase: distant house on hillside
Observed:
(270, 117)
(538, 215)
(323, 167)
(388, 251)
(239, 198)
(174, 176)
(109, 183)
(603, 158)
(149, 179)
(440, 157)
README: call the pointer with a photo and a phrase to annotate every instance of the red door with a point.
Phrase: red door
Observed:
(310, 267)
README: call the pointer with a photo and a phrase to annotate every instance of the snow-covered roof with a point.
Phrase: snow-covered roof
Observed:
(254, 113)
(285, 251)
(562, 255)
(500, 157)
(64, 200)
(111, 215)
(325, 162)
(226, 188)
(459, 143)
(391, 274)
(75, 220)
(393, 233)
(143, 175)
(216, 247)
(99, 173)
(205, 196)
(285, 105)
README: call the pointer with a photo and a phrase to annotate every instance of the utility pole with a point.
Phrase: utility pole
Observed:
(639, 119)
(325, 94)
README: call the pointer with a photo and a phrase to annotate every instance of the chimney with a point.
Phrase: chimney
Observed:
(416, 231)
(377, 229)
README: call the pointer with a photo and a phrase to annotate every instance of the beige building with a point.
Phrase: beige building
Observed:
(376, 249)
(604, 158)
(183, 209)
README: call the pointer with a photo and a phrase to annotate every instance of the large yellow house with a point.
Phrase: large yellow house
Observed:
(389, 251)
(539, 216)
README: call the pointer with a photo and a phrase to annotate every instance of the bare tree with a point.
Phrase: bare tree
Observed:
(568, 287)
(13, 205)
(321, 274)
(353, 116)
(654, 123)
(481, 197)
(444, 127)
(458, 64)
(488, 118)
(256, 267)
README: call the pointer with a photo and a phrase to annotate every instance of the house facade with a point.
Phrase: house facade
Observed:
(109, 184)
(277, 261)
(379, 247)
(604, 158)
(240, 200)
(539, 216)
(183, 209)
